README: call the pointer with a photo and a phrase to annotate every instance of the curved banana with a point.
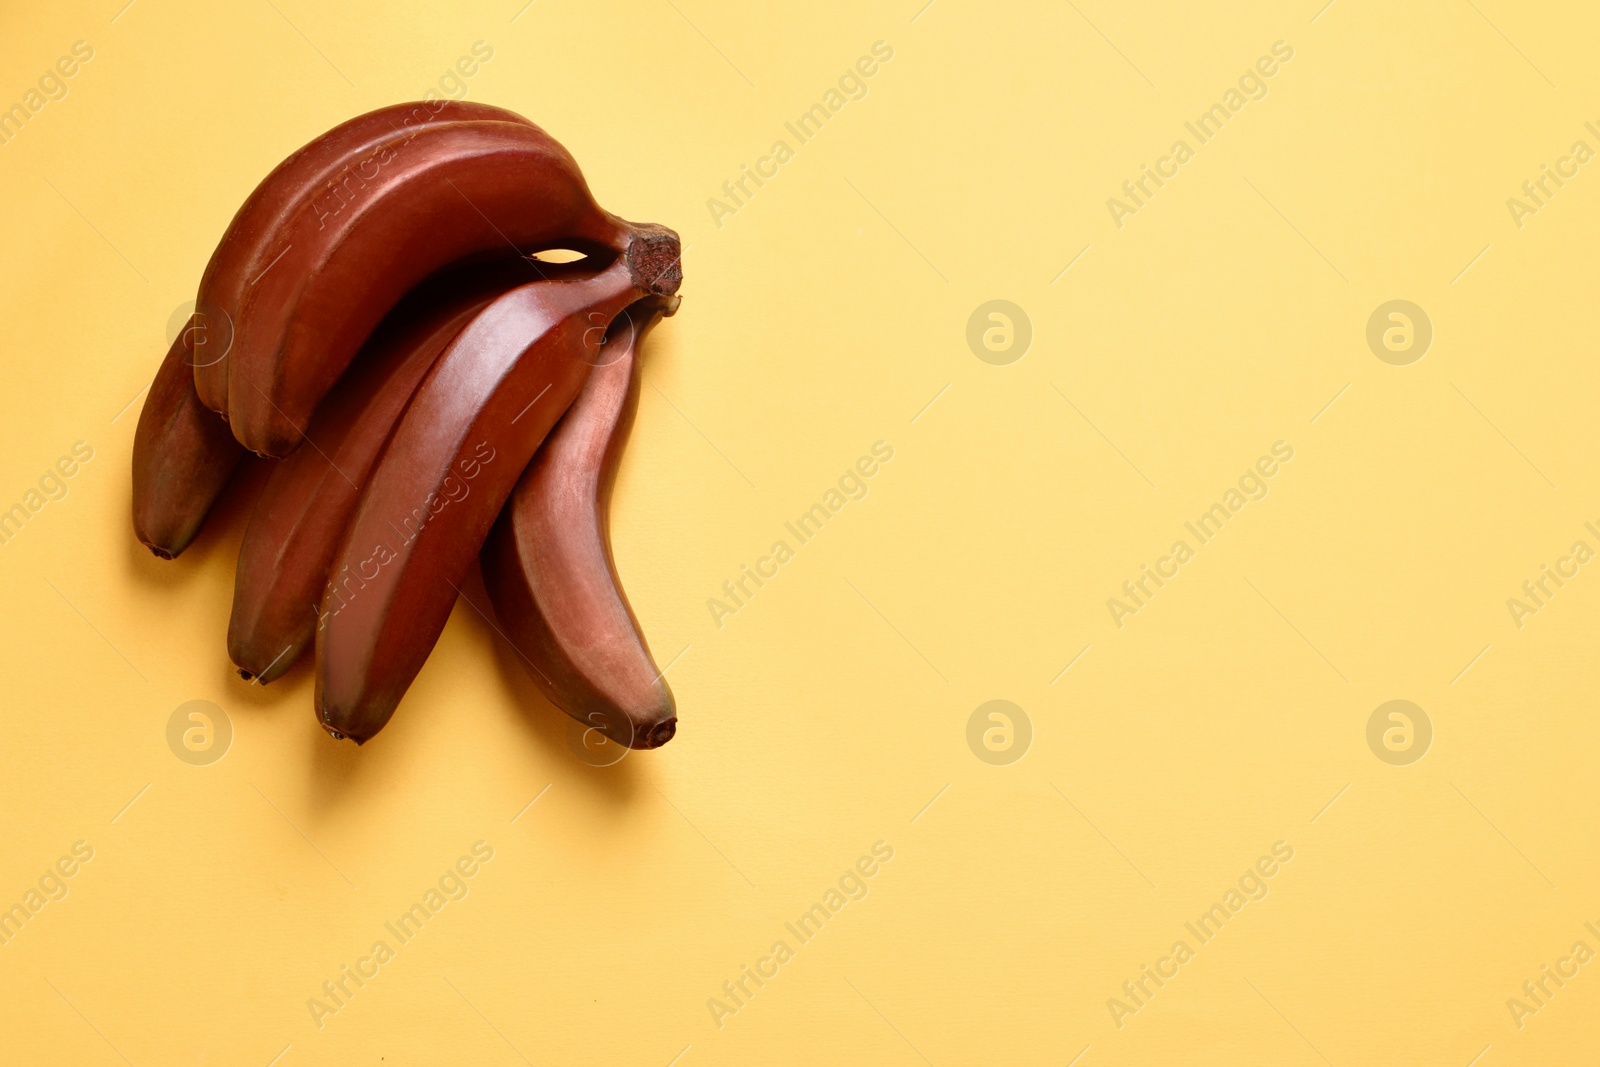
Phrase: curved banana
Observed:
(548, 567)
(183, 456)
(457, 451)
(307, 503)
(444, 194)
(182, 459)
(328, 167)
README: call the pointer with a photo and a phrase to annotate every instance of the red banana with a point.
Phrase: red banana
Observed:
(325, 168)
(440, 195)
(548, 567)
(446, 471)
(183, 456)
(307, 503)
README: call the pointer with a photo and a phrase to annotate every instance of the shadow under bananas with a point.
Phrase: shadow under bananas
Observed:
(614, 784)
(339, 770)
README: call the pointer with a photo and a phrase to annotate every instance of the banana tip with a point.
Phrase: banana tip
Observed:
(340, 735)
(657, 735)
(158, 552)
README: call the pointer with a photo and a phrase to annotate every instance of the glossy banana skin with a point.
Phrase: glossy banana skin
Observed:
(363, 536)
(548, 567)
(252, 238)
(446, 471)
(302, 513)
(446, 193)
(183, 456)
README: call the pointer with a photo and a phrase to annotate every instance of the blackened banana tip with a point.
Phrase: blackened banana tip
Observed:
(338, 734)
(658, 735)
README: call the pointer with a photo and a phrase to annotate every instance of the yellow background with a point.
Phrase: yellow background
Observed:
(823, 316)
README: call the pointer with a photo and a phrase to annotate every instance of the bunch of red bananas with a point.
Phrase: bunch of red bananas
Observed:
(377, 318)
